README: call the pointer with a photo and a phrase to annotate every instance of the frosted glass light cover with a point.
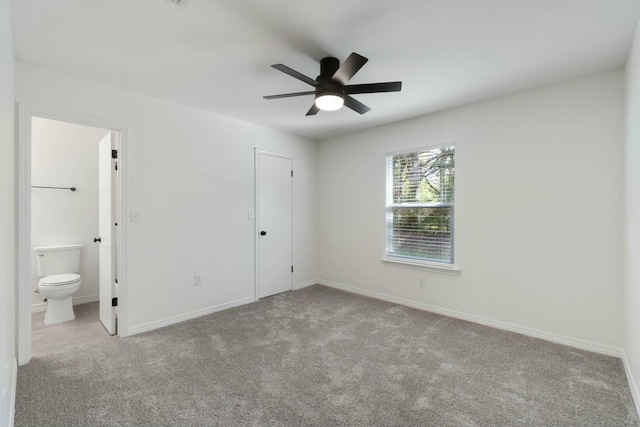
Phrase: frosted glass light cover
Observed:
(329, 102)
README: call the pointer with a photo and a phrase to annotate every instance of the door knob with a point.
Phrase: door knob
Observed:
(263, 233)
(97, 239)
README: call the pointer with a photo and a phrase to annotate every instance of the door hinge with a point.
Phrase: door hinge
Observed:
(114, 302)
(291, 173)
(114, 154)
(292, 268)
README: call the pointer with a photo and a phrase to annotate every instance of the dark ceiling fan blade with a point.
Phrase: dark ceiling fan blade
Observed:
(289, 95)
(293, 73)
(349, 67)
(355, 105)
(373, 88)
(313, 110)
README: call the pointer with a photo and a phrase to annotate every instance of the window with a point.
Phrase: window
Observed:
(420, 195)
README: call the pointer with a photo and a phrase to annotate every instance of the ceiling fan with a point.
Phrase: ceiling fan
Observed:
(331, 89)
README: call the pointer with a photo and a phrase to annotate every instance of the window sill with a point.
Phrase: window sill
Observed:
(452, 270)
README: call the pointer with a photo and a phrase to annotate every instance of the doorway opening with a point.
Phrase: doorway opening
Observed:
(69, 202)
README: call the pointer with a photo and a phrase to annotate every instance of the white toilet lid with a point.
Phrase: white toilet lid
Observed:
(60, 279)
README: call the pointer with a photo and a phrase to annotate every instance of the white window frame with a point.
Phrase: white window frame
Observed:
(416, 263)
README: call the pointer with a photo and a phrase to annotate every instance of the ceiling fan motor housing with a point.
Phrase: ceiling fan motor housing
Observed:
(327, 85)
(329, 88)
(328, 67)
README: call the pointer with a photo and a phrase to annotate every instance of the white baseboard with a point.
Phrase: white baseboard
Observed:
(305, 284)
(14, 388)
(35, 308)
(549, 336)
(8, 409)
(146, 327)
(632, 382)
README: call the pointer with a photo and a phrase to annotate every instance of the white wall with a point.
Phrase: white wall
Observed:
(632, 219)
(7, 217)
(190, 175)
(65, 155)
(538, 212)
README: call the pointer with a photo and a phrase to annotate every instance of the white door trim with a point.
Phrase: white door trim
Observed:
(256, 232)
(25, 113)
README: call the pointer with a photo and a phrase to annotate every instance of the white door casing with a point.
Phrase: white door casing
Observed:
(25, 114)
(274, 224)
(106, 227)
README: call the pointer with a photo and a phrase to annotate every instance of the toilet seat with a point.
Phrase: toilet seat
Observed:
(60, 279)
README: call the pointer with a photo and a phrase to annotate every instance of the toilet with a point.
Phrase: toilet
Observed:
(58, 267)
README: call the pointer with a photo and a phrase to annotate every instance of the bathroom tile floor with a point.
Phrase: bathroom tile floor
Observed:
(85, 328)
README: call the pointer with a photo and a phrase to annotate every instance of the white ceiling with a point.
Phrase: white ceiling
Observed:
(216, 54)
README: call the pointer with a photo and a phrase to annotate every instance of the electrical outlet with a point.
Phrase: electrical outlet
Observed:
(197, 279)
(250, 216)
(423, 283)
(135, 215)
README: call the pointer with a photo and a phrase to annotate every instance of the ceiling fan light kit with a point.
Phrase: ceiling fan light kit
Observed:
(329, 102)
(329, 97)
(331, 89)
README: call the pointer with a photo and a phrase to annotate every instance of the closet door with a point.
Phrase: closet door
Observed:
(274, 187)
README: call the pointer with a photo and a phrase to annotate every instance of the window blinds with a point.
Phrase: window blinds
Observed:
(420, 205)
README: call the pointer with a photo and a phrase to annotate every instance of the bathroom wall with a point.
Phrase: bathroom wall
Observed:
(65, 155)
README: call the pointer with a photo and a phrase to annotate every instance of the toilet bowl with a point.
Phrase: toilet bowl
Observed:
(58, 266)
(58, 290)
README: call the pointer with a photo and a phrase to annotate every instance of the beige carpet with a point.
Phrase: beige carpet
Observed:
(324, 357)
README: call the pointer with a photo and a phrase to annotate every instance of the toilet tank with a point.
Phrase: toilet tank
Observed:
(58, 259)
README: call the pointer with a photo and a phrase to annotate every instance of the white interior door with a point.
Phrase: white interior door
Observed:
(106, 222)
(274, 224)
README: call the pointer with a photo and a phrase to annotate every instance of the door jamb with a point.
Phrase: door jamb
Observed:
(25, 113)
(256, 210)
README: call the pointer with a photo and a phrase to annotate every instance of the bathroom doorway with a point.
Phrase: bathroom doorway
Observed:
(69, 194)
